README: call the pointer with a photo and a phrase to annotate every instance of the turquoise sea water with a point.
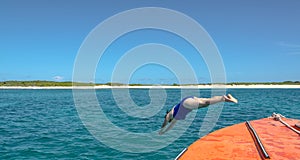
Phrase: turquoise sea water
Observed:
(44, 124)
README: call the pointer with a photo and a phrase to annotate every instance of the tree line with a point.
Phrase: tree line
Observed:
(39, 83)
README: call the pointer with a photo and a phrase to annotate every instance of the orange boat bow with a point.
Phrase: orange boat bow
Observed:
(237, 142)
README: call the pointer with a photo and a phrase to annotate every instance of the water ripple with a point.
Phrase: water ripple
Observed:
(43, 124)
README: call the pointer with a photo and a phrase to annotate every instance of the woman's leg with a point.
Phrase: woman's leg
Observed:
(194, 103)
(217, 99)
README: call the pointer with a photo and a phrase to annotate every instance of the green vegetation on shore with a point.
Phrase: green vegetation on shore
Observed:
(265, 83)
(68, 83)
(42, 84)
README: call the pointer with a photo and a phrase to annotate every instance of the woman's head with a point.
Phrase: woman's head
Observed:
(168, 118)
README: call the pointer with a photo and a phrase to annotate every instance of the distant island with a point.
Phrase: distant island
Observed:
(39, 83)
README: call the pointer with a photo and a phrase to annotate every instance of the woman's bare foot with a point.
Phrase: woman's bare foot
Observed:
(229, 98)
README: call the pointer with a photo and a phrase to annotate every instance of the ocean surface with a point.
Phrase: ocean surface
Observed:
(45, 124)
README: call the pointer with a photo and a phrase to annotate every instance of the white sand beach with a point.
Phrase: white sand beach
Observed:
(157, 86)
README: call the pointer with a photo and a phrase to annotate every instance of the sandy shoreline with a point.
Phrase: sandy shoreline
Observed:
(153, 87)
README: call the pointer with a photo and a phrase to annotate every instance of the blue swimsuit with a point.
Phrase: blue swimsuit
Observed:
(180, 111)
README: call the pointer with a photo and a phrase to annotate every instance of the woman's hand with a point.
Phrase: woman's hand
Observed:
(161, 132)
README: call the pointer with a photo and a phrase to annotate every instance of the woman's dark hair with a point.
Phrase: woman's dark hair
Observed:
(167, 113)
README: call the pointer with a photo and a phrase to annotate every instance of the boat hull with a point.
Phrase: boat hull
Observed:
(237, 142)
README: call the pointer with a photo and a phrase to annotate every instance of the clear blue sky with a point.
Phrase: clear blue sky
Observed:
(258, 40)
